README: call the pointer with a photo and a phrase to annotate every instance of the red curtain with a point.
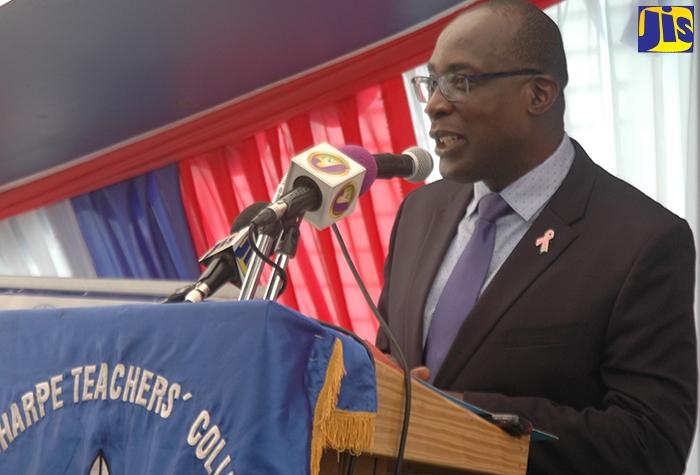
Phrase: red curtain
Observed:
(219, 184)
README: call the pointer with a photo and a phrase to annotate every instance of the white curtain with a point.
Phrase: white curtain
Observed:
(636, 114)
(46, 242)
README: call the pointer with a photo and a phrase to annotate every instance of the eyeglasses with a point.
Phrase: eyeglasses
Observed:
(455, 87)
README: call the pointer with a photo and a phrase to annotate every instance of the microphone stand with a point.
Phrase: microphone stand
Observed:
(255, 268)
(264, 242)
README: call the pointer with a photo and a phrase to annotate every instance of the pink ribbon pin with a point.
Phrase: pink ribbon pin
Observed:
(543, 242)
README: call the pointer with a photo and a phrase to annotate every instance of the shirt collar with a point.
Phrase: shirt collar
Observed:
(529, 193)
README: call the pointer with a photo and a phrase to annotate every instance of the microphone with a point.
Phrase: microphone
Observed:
(228, 259)
(305, 196)
(323, 185)
(323, 181)
(414, 164)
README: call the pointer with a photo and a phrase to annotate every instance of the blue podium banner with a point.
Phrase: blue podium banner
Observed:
(211, 389)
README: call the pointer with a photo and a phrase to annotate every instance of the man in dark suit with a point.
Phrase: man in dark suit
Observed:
(584, 325)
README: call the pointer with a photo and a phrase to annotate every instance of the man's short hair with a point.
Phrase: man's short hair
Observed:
(537, 43)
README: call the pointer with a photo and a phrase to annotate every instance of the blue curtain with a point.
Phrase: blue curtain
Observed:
(138, 228)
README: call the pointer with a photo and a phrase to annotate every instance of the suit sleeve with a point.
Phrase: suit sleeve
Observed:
(382, 342)
(648, 368)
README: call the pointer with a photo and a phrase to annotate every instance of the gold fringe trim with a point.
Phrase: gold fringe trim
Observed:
(336, 428)
(327, 400)
(350, 431)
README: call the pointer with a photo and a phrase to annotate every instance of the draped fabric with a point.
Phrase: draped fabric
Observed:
(46, 243)
(155, 226)
(636, 114)
(237, 119)
(218, 185)
(233, 387)
(137, 228)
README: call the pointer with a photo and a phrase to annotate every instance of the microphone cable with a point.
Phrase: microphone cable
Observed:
(402, 359)
(253, 233)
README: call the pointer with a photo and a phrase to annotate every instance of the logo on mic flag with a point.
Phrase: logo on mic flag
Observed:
(237, 240)
(243, 255)
(339, 179)
(343, 200)
(329, 164)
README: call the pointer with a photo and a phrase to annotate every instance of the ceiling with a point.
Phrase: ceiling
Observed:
(77, 76)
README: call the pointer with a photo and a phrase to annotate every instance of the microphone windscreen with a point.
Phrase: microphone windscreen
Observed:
(366, 159)
(247, 215)
(422, 164)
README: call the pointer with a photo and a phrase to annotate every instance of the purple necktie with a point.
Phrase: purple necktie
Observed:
(464, 285)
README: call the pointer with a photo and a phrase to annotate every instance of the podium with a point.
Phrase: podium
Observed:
(217, 389)
(443, 437)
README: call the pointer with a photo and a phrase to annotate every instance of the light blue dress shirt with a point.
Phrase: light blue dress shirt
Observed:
(527, 196)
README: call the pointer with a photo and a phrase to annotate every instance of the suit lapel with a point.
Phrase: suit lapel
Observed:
(523, 266)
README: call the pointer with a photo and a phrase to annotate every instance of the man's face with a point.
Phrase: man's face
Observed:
(480, 137)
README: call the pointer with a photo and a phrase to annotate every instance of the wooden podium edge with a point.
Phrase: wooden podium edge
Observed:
(441, 432)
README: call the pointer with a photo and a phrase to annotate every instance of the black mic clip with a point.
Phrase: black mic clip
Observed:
(288, 241)
(305, 196)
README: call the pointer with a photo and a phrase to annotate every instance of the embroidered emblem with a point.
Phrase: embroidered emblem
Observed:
(543, 242)
(99, 465)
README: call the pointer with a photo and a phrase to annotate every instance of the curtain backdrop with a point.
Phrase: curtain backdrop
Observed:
(45, 243)
(219, 184)
(235, 120)
(155, 226)
(137, 228)
(636, 114)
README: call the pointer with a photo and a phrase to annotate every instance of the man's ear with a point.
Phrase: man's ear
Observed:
(544, 91)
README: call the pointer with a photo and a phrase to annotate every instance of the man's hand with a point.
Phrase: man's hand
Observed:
(419, 372)
(423, 373)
